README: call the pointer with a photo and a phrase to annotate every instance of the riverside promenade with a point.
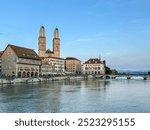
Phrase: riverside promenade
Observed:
(70, 77)
(38, 79)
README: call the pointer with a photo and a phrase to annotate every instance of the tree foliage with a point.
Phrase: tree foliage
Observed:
(108, 70)
(114, 72)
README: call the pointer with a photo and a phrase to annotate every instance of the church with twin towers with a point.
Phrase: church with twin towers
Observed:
(51, 62)
(42, 51)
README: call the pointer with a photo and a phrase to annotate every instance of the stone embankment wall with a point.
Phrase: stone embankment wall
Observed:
(31, 80)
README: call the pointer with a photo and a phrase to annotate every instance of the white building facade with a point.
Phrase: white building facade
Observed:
(93, 67)
(52, 66)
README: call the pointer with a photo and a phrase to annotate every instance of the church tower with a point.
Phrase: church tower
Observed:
(42, 42)
(56, 43)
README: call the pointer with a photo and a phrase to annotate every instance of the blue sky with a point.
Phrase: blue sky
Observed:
(118, 30)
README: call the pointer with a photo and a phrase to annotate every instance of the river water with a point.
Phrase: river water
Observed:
(65, 96)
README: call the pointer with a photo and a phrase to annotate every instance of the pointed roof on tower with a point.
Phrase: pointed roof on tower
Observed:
(42, 31)
(56, 33)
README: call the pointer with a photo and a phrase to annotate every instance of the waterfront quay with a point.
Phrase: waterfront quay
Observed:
(129, 76)
(37, 79)
(12, 80)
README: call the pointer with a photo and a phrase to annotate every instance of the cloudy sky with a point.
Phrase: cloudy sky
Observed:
(118, 30)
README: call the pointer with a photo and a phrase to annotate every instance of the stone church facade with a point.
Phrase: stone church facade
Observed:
(42, 44)
(51, 61)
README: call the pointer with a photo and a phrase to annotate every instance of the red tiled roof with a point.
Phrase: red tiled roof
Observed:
(22, 52)
(93, 61)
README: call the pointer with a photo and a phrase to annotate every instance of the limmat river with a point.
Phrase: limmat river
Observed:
(77, 96)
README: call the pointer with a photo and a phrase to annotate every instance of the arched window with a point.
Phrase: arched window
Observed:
(32, 74)
(24, 74)
(19, 74)
(28, 74)
(36, 74)
(13, 74)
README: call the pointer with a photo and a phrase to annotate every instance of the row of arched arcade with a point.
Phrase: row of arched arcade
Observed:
(27, 74)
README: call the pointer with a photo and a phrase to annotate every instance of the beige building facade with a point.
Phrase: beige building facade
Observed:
(94, 66)
(20, 62)
(72, 65)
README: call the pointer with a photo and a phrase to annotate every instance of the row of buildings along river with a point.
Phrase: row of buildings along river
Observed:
(17, 61)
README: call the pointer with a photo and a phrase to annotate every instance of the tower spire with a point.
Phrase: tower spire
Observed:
(56, 33)
(56, 43)
(42, 42)
(42, 31)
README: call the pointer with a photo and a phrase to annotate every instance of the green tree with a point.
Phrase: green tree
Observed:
(149, 73)
(114, 72)
(108, 70)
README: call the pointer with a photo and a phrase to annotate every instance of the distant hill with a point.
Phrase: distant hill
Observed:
(133, 71)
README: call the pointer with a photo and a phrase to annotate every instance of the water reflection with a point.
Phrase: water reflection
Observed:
(92, 95)
(95, 84)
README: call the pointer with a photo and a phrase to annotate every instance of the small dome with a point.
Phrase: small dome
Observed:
(42, 26)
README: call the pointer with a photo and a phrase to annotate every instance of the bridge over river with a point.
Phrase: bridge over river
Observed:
(145, 77)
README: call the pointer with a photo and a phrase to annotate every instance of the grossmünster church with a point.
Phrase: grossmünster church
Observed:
(51, 61)
(42, 44)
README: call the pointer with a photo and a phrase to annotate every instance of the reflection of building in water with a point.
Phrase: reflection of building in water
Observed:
(94, 66)
(51, 61)
(72, 65)
(20, 62)
(51, 97)
(30, 98)
(99, 84)
(72, 82)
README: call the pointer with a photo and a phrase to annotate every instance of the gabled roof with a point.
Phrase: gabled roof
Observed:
(93, 61)
(71, 58)
(22, 52)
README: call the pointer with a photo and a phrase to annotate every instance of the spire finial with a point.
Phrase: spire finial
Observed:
(56, 33)
(42, 31)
